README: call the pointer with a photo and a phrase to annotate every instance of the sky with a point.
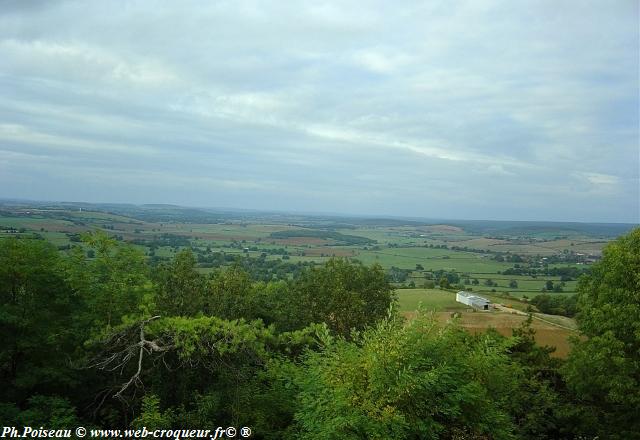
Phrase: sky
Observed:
(511, 110)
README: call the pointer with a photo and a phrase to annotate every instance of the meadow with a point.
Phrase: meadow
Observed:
(477, 253)
(234, 297)
(554, 331)
(418, 252)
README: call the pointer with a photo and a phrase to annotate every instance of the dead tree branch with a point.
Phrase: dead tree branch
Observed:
(124, 351)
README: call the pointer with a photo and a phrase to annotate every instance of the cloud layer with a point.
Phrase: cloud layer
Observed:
(470, 109)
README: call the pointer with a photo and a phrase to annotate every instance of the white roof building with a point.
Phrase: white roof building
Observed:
(472, 300)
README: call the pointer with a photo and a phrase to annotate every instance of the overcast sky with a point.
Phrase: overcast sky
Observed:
(524, 110)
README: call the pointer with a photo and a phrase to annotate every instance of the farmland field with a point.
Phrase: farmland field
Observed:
(503, 258)
(410, 300)
(550, 330)
(504, 323)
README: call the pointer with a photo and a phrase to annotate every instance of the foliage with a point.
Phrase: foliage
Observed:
(556, 304)
(344, 295)
(604, 367)
(112, 284)
(397, 381)
(151, 416)
(179, 287)
(537, 404)
(35, 312)
(324, 234)
(230, 293)
(97, 336)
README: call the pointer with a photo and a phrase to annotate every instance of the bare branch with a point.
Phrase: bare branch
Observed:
(125, 350)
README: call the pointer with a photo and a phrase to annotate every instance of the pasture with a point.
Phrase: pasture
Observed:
(504, 323)
(410, 300)
(419, 249)
(550, 330)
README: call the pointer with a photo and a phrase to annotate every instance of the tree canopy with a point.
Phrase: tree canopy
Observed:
(100, 337)
(604, 367)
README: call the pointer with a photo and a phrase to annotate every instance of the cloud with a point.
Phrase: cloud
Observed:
(82, 62)
(17, 134)
(600, 179)
(364, 107)
(379, 62)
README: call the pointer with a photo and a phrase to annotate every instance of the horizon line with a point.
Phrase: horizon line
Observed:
(314, 213)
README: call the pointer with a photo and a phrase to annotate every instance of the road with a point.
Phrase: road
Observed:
(534, 315)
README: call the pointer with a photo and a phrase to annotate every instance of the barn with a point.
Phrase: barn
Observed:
(475, 301)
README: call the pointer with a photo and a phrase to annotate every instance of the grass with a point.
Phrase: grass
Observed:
(433, 259)
(410, 300)
(408, 244)
(442, 303)
(512, 302)
(504, 323)
(33, 223)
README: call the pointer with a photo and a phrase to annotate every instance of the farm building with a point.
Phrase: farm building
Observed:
(472, 300)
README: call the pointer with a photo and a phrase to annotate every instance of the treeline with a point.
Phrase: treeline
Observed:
(165, 239)
(565, 273)
(111, 341)
(556, 304)
(259, 269)
(324, 234)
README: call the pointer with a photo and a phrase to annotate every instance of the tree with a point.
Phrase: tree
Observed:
(399, 381)
(195, 370)
(604, 367)
(556, 304)
(343, 294)
(513, 284)
(36, 322)
(536, 405)
(230, 294)
(180, 288)
(549, 285)
(113, 284)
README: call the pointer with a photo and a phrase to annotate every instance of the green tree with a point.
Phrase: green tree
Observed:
(196, 370)
(604, 368)
(230, 294)
(536, 405)
(113, 284)
(343, 294)
(151, 416)
(399, 381)
(180, 288)
(36, 316)
(513, 284)
(52, 412)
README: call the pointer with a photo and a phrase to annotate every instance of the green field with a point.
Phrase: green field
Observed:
(419, 249)
(436, 300)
